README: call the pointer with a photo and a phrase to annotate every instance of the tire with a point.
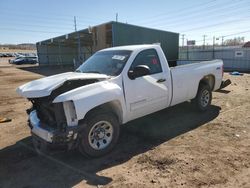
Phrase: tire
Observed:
(99, 134)
(203, 98)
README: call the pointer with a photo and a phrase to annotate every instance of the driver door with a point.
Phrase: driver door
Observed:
(149, 93)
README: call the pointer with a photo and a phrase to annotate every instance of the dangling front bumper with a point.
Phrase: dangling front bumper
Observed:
(47, 137)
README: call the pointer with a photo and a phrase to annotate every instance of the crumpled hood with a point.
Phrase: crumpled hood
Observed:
(44, 86)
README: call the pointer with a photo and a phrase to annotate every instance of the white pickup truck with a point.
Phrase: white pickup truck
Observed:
(85, 109)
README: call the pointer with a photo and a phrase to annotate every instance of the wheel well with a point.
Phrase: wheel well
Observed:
(113, 106)
(208, 80)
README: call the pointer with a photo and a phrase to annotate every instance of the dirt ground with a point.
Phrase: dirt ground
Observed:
(176, 147)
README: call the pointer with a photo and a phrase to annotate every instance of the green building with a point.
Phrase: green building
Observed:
(74, 48)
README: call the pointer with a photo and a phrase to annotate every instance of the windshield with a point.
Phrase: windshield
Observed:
(106, 62)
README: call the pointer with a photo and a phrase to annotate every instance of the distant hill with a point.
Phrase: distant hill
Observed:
(24, 46)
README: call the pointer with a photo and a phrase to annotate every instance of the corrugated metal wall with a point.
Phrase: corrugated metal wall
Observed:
(42, 54)
(237, 59)
(56, 55)
(125, 34)
(62, 51)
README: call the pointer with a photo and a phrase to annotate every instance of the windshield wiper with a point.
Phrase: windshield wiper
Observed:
(97, 72)
(92, 72)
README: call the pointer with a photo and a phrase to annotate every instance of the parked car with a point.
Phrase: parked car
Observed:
(9, 55)
(12, 60)
(16, 54)
(85, 109)
(24, 60)
(6, 55)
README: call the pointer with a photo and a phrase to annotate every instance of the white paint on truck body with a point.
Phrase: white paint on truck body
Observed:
(138, 97)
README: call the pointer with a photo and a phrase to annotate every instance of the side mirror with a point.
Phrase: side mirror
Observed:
(138, 71)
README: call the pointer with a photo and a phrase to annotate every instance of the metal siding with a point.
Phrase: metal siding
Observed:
(125, 34)
(56, 55)
(231, 62)
(68, 54)
(62, 51)
(42, 54)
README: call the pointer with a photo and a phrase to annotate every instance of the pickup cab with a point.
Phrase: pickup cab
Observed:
(85, 109)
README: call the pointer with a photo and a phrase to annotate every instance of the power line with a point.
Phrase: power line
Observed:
(242, 32)
(34, 17)
(186, 9)
(189, 13)
(55, 16)
(224, 36)
(43, 19)
(220, 23)
(225, 30)
(28, 30)
(41, 26)
(22, 19)
(202, 18)
(47, 21)
(195, 15)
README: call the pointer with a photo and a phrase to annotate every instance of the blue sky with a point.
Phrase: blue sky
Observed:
(24, 21)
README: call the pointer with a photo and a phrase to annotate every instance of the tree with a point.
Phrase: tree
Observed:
(235, 41)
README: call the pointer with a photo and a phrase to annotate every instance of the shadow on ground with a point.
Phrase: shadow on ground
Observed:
(22, 167)
(46, 70)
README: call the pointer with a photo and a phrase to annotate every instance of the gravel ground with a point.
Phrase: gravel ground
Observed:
(176, 147)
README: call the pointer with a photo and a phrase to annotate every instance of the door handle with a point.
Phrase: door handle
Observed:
(161, 80)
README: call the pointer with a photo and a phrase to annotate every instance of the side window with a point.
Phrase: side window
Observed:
(149, 58)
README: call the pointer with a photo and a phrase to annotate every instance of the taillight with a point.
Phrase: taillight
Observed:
(222, 70)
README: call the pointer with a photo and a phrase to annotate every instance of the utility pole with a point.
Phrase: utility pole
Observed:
(204, 41)
(222, 40)
(75, 23)
(79, 44)
(116, 17)
(213, 46)
(182, 38)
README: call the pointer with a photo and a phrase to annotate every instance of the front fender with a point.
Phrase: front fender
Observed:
(88, 97)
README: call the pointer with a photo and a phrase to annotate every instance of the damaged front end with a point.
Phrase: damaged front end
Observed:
(49, 126)
(55, 125)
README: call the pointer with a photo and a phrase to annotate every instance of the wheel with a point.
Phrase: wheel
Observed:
(203, 98)
(99, 134)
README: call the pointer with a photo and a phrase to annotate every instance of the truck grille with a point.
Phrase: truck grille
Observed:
(51, 115)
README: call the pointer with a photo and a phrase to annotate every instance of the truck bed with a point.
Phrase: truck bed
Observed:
(185, 78)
